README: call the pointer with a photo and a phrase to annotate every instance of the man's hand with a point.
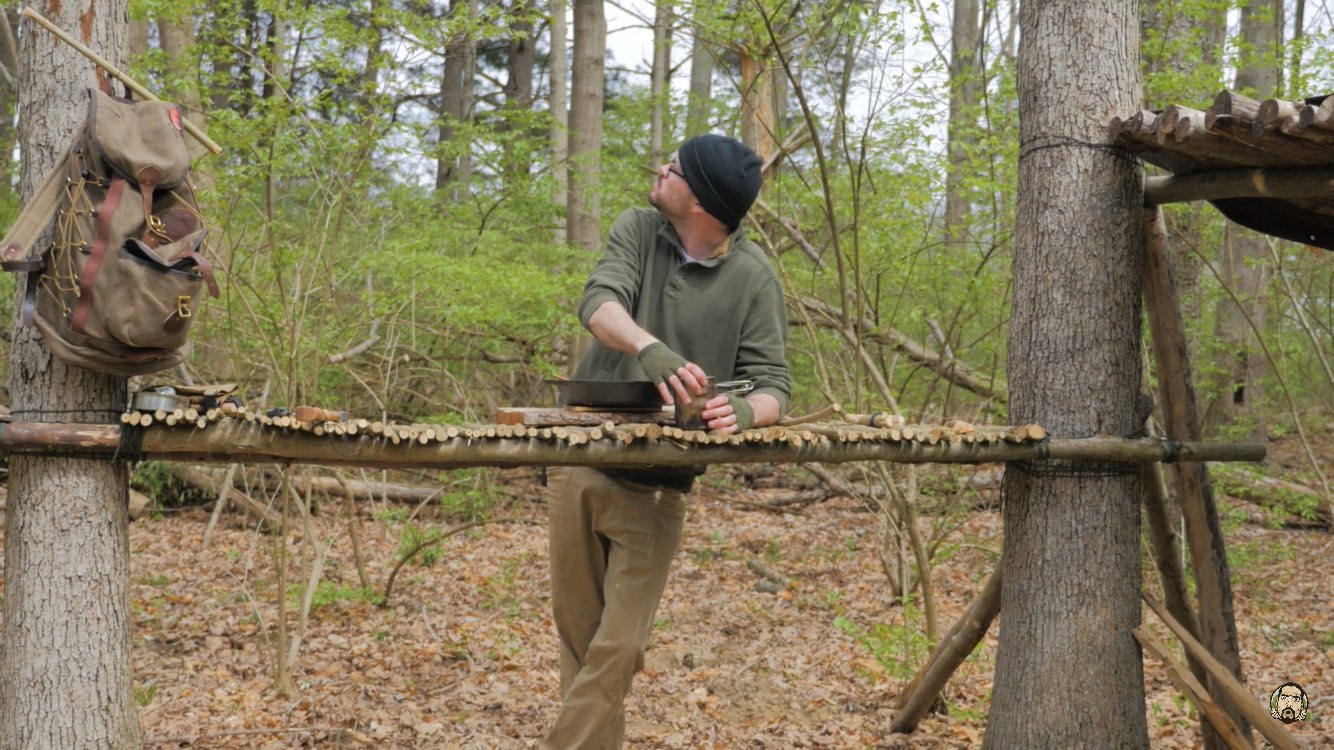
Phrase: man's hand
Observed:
(728, 413)
(671, 372)
(660, 362)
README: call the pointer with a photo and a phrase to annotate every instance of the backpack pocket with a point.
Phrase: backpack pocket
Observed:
(156, 292)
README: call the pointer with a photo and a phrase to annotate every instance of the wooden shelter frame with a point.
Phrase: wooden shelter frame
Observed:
(1269, 166)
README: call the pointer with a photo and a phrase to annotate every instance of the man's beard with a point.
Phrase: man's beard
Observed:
(1287, 715)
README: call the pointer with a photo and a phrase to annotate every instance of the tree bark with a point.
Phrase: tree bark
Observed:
(1068, 669)
(700, 98)
(455, 87)
(660, 79)
(65, 675)
(520, 55)
(965, 89)
(757, 104)
(558, 106)
(584, 205)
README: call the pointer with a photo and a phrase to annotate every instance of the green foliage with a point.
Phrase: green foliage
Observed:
(330, 231)
(898, 649)
(144, 694)
(499, 591)
(470, 495)
(422, 543)
(164, 485)
(330, 592)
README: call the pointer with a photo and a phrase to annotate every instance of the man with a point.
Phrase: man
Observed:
(680, 295)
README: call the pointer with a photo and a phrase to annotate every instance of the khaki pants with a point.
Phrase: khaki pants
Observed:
(612, 543)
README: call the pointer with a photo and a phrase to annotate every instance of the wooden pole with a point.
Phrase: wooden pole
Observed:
(116, 73)
(1303, 182)
(239, 441)
(1253, 709)
(1204, 534)
(1194, 690)
(1165, 544)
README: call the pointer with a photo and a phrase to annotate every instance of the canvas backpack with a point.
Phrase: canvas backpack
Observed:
(117, 288)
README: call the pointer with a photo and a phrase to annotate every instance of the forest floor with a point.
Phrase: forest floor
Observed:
(464, 653)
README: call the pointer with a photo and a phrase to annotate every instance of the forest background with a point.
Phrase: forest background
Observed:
(391, 210)
(411, 195)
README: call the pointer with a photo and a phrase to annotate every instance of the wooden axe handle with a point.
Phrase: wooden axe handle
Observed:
(316, 414)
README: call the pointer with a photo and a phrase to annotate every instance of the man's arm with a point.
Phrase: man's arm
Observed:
(613, 327)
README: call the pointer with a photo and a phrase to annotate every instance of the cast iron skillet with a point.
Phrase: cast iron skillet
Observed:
(608, 394)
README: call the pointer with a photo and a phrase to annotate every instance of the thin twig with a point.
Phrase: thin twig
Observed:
(371, 340)
(817, 416)
(433, 540)
(194, 738)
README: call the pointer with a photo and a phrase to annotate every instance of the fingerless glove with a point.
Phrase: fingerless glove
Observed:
(660, 362)
(745, 415)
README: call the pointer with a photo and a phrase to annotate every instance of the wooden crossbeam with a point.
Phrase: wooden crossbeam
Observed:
(424, 446)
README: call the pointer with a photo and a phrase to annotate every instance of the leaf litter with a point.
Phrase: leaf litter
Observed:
(464, 656)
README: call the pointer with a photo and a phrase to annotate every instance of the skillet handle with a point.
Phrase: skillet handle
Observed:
(739, 387)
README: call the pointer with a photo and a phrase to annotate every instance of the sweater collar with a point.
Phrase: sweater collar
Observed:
(720, 253)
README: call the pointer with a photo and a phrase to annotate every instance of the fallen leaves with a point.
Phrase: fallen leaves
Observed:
(465, 656)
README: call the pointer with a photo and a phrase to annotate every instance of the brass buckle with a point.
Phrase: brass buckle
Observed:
(156, 226)
(183, 306)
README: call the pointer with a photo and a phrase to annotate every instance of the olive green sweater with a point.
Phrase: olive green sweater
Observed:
(725, 314)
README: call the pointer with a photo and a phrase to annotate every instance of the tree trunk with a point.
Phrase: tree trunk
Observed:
(520, 55)
(177, 38)
(8, 98)
(455, 86)
(700, 99)
(1295, 82)
(1068, 669)
(661, 76)
(584, 205)
(757, 104)
(368, 89)
(965, 90)
(560, 113)
(1244, 265)
(65, 675)
(136, 37)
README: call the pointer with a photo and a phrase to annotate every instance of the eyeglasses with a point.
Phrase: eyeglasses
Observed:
(674, 168)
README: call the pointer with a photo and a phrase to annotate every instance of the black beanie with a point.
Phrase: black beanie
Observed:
(724, 175)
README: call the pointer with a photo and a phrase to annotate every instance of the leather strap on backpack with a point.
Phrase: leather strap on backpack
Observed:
(79, 318)
(204, 267)
(16, 251)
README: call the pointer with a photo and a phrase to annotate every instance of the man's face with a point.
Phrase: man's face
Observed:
(670, 193)
(1289, 704)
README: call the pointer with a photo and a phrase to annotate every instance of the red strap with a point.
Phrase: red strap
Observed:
(79, 318)
(204, 267)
